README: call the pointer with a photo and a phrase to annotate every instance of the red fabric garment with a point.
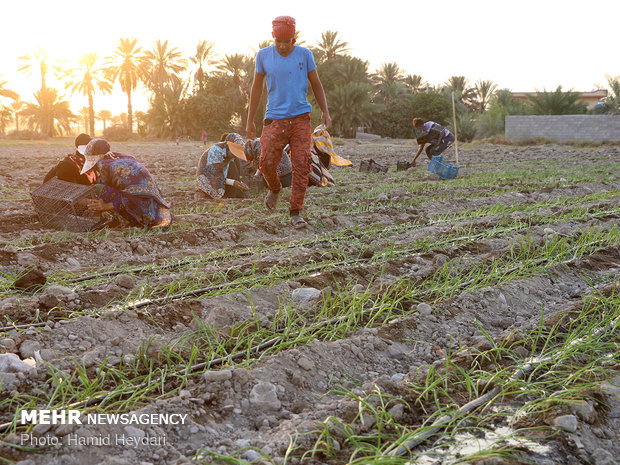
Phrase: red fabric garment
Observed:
(297, 132)
(283, 27)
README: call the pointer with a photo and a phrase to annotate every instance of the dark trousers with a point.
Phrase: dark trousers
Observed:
(444, 143)
(234, 172)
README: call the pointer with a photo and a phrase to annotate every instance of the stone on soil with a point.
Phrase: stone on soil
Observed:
(11, 363)
(264, 396)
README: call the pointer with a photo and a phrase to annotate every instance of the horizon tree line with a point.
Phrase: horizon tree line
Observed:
(203, 91)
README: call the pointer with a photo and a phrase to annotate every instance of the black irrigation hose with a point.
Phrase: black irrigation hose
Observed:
(204, 290)
(6, 329)
(490, 396)
(246, 252)
(437, 425)
(192, 369)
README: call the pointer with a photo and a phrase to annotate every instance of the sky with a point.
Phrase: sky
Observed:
(521, 45)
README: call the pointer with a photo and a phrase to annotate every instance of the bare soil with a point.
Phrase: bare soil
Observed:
(264, 402)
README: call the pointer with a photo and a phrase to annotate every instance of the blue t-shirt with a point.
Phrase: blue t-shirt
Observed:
(287, 81)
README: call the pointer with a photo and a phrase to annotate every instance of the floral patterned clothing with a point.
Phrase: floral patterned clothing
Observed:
(129, 186)
(213, 170)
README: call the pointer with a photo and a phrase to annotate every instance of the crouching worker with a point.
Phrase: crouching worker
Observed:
(285, 169)
(220, 166)
(438, 138)
(128, 195)
(68, 169)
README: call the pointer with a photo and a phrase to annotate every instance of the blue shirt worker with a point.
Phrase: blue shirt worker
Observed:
(286, 68)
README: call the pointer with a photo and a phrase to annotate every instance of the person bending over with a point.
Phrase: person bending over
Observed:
(68, 169)
(434, 134)
(128, 195)
(219, 168)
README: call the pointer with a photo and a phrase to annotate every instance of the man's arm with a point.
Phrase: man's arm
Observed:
(417, 153)
(319, 95)
(255, 95)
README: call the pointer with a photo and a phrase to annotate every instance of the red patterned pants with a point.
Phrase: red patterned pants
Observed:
(297, 132)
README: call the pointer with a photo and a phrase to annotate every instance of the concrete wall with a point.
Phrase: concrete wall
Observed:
(562, 128)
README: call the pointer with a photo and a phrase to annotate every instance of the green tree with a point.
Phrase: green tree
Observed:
(395, 119)
(49, 114)
(432, 106)
(6, 118)
(210, 112)
(388, 73)
(141, 126)
(462, 92)
(163, 66)
(350, 107)
(330, 47)
(347, 69)
(104, 116)
(4, 92)
(492, 122)
(555, 103)
(84, 118)
(87, 80)
(128, 67)
(388, 85)
(16, 107)
(238, 72)
(203, 57)
(166, 116)
(611, 104)
(40, 61)
(415, 83)
(483, 92)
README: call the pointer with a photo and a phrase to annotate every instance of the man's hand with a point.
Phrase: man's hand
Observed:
(241, 185)
(326, 120)
(250, 130)
(413, 164)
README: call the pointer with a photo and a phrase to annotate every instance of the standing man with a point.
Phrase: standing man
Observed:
(287, 68)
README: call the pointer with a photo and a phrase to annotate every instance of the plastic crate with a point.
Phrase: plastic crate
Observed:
(59, 205)
(441, 168)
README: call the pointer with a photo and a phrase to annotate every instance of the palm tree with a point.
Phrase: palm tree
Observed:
(415, 82)
(388, 73)
(6, 118)
(16, 106)
(350, 107)
(50, 114)
(484, 91)
(458, 85)
(235, 66)
(611, 104)
(38, 60)
(84, 116)
(4, 92)
(105, 116)
(264, 44)
(354, 70)
(203, 56)
(87, 80)
(166, 116)
(163, 66)
(128, 67)
(556, 103)
(330, 46)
